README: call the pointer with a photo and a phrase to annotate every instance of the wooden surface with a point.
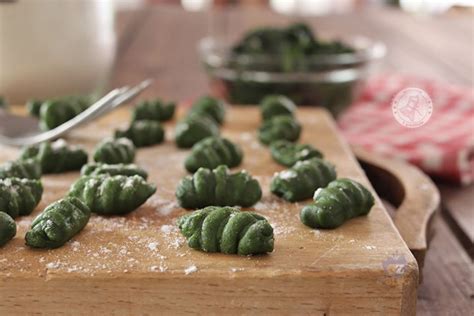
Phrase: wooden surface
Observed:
(415, 196)
(140, 263)
(162, 44)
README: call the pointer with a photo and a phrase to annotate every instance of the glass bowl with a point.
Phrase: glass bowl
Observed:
(332, 81)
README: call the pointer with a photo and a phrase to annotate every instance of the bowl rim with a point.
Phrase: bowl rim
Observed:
(331, 76)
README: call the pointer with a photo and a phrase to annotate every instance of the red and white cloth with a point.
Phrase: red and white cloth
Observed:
(443, 147)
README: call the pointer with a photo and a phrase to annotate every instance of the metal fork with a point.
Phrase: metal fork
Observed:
(24, 131)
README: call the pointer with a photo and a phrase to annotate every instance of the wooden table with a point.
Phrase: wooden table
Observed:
(160, 42)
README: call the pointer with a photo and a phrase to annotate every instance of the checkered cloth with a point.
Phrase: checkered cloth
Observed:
(443, 147)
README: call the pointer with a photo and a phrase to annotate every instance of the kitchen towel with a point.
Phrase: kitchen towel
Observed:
(443, 147)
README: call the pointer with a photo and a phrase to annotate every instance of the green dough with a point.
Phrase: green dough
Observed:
(114, 151)
(7, 228)
(143, 133)
(340, 201)
(292, 49)
(19, 196)
(261, 40)
(210, 106)
(58, 111)
(300, 181)
(155, 110)
(194, 128)
(34, 107)
(56, 157)
(280, 127)
(3, 103)
(113, 170)
(212, 152)
(227, 230)
(275, 105)
(110, 195)
(287, 153)
(219, 188)
(29, 169)
(58, 223)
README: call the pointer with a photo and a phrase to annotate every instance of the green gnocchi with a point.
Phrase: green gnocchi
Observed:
(109, 195)
(3, 103)
(155, 110)
(212, 152)
(276, 105)
(58, 111)
(56, 157)
(113, 170)
(280, 127)
(28, 169)
(219, 188)
(227, 230)
(7, 228)
(114, 151)
(58, 223)
(287, 153)
(34, 107)
(300, 181)
(143, 133)
(209, 106)
(19, 197)
(340, 201)
(193, 129)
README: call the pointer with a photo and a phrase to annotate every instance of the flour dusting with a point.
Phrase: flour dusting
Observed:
(190, 269)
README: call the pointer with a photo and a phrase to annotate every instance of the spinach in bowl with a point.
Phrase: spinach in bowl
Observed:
(291, 61)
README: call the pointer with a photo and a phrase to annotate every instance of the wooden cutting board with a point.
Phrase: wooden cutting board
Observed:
(140, 264)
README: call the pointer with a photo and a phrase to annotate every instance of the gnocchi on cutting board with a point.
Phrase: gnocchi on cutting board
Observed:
(145, 254)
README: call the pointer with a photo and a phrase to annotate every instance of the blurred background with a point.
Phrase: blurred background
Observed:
(81, 40)
(430, 39)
